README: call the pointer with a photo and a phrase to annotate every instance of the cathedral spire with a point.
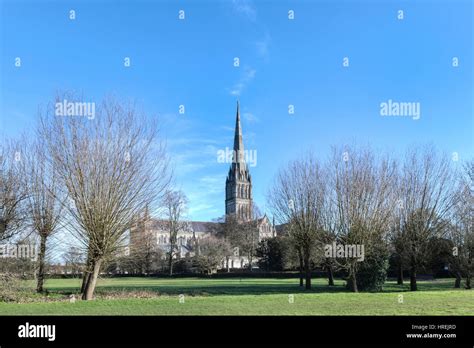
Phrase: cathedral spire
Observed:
(238, 156)
(238, 185)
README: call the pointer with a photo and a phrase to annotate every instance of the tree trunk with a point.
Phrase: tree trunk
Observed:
(413, 286)
(170, 265)
(330, 275)
(307, 268)
(352, 282)
(89, 291)
(457, 282)
(400, 274)
(85, 280)
(41, 264)
(468, 281)
(87, 274)
(300, 257)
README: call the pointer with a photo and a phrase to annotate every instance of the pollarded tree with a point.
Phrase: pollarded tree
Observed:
(12, 191)
(461, 232)
(362, 193)
(44, 203)
(112, 166)
(426, 198)
(297, 199)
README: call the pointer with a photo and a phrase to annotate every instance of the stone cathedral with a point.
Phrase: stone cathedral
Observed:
(238, 202)
(238, 184)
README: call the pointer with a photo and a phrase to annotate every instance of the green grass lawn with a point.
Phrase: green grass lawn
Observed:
(244, 297)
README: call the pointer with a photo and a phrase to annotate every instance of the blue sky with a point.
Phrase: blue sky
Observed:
(299, 62)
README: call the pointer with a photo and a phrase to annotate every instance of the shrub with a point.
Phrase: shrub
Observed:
(271, 254)
(10, 287)
(372, 272)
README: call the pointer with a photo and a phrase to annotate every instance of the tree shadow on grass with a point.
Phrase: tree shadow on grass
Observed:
(423, 285)
(210, 287)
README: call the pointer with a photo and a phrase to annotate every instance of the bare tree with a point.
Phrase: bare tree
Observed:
(112, 166)
(362, 194)
(425, 192)
(43, 203)
(461, 232)
(211, 252)
(145, 253)
(297, 199)
(225, 227)
(74, 261)
(397, 245)
(12, 191)
(244, 234)
(175, 209)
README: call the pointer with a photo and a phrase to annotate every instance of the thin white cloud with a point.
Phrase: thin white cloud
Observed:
(246, 8)
(263, 45)
(203, 193)
(228, 129)
(190, 141)
(246, 78)
(250, 117)
(198, 208)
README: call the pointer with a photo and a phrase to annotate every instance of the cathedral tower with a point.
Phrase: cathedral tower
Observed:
(238, 185)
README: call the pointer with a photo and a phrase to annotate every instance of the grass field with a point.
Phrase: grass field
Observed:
(160, 296)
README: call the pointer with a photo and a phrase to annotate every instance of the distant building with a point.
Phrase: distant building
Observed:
(238, 202)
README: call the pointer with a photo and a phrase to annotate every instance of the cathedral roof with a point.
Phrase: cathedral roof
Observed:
(194, 226)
